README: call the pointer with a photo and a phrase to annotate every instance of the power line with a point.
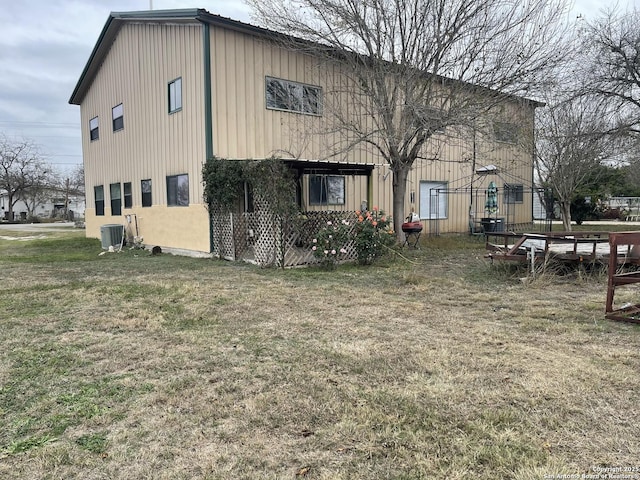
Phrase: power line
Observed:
(41, 124)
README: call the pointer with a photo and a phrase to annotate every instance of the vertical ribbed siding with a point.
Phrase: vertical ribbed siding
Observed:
(245, 128)
(153, 143)
(143, 59)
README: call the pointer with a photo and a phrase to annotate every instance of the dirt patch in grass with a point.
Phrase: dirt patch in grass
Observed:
(133, 366)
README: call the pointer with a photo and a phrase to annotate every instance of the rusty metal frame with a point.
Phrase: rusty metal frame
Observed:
(503, 250)
(627, 313)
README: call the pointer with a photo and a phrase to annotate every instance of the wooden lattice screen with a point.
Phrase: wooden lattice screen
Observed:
(269, 240)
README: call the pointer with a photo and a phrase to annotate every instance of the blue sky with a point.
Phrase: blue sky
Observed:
(44, 45)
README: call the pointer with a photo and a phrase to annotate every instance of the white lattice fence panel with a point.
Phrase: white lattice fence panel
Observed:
(266, 243)
(222, 225)
(306, 227)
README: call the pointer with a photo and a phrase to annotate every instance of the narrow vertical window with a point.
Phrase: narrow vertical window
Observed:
(178, 190)
(146, 192)
(94, 134)
(116, 199)
(175, 95)
(117, 114)
(98, 193)
(128, 197)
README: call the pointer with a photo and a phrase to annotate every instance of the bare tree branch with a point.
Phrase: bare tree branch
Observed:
(413, 68)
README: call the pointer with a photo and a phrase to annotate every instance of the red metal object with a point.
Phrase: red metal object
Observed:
(412, 231)
(412, 227)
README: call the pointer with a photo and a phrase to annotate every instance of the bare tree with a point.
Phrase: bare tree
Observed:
(417, 67)
(573, 140)
(72, 186)
(41, 188)
(21, 169)
(613, 44)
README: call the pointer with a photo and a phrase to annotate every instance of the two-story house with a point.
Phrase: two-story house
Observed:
(164, 90)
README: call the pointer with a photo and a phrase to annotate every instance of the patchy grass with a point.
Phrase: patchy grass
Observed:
(434, 365)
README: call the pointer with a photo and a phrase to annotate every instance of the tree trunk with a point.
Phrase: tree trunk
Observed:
(11, 201)
(400, 175)
(565, 208)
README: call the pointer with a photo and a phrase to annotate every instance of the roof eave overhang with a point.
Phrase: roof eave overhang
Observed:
(324, 167)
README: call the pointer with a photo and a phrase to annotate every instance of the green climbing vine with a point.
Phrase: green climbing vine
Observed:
(270, 178)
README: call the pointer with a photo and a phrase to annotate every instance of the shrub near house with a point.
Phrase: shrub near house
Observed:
(371, 237)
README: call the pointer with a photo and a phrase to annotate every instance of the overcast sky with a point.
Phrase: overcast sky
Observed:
(44, 46)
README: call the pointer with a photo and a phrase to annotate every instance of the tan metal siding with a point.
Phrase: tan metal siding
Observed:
(143, 59)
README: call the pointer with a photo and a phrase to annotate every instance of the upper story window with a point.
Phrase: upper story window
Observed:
(94, 134)
(117, 114)
(505, 132)
(293, 96)
(178, 190)
(175, 95)
(98, 193)
(326, 190)
(145, 186)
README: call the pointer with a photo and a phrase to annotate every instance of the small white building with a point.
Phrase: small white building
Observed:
(53, 207)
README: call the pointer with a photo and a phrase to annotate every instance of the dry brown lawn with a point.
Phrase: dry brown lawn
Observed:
(131, 366)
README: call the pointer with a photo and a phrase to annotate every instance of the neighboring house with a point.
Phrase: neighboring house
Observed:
(19, 208)
(164, 90)
(52, 207)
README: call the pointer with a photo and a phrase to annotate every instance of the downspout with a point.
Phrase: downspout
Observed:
(370, 190)
(208, 116)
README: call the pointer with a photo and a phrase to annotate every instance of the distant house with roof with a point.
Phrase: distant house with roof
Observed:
(165, 90)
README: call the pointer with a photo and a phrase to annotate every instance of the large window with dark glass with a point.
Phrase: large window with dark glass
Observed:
(326, 190)
(94, 133)
(116, 199)
(293, 96)
(128, 197)
(117, 114)
(178, 190)
(145, 186)
(98, 193)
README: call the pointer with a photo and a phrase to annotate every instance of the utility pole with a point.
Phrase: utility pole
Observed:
(67, 183)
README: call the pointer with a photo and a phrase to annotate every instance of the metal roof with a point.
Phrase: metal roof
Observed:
(117, 19)
(192, 15)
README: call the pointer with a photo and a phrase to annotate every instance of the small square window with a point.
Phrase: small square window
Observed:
(146, 192)
(505, 132)
(116, 199)
(94, 134)
(98, 193)
(178, 190)
(117, 114)
(513, 193)
(128, 197)
(175, 95)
